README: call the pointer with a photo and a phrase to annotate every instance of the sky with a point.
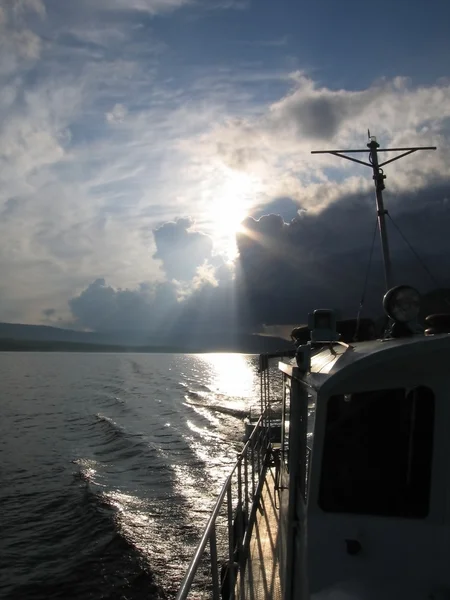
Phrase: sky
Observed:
(156, 167)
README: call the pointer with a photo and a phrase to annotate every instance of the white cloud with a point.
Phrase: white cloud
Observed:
(20, 8)
(150, 6)
(162, 6)
(20, 47)
(117, 114)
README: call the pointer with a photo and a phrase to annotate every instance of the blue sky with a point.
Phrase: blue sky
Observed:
(344, 44)
(118, 117)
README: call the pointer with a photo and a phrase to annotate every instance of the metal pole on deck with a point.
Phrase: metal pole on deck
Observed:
(378, 177)
(214, 563)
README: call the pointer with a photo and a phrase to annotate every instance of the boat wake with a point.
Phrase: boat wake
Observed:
(234, 412)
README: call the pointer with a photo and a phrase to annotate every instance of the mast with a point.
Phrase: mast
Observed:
(378, 177)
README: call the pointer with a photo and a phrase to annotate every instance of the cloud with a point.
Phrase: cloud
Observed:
(286, 207)
(161, 7)
(159, 310)
(117, 114)
(104, 308)
(181, 249)
(19, 8)
(315, 113)
(322, 258)
(150, 6)
(319, 113)
(20, 47)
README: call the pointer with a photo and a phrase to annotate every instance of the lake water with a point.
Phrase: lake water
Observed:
(109, 466)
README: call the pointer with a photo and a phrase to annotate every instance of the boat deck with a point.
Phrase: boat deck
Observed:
(262, 578)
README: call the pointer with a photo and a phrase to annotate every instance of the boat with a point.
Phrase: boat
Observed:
(351, 501)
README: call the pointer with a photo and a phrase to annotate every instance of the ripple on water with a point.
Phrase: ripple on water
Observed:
(108, 472)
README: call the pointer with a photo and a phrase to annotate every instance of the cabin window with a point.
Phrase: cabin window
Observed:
(377, 453)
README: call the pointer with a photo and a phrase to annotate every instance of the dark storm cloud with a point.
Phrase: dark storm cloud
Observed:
(321, 259)
(104, 308)
(49, 312)
(181, 249)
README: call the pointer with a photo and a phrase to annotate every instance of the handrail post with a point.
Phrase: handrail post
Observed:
(253, 468)
(241, 524)
(258, 450)
(246, 484)
(239, 480)
(214, 564)
(231, 578)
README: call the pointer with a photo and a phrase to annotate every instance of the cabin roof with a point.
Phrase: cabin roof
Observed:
(331, 361)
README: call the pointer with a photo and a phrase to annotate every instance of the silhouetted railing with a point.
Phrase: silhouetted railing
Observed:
(223, 548)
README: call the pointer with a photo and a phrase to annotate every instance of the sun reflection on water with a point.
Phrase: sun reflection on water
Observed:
(232, 375)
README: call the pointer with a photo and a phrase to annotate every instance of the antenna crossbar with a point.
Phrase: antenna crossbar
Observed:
(414, 148)
(378, 177)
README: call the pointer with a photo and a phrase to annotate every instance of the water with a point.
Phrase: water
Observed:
(109, 466)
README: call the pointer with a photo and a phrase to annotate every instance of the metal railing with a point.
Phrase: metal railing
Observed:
(223, 548)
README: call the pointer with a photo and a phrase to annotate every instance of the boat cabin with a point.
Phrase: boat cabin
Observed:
(364, 467)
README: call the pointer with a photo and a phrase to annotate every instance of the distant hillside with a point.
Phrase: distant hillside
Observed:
(47, 333)
(8, 345)
(250, 344)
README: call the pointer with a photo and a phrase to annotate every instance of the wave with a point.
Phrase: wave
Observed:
(118, 400)
(118, 443)
(110, 424)
(234, 412)
(112, 396)
(241, 413)
(192, 394)
(192, 397)
(190, 381)
(87, 469)
(83, 525)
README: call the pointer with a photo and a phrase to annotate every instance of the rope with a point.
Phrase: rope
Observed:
(435, 281)
(366, 279)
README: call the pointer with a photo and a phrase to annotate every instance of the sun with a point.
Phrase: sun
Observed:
(229, 207)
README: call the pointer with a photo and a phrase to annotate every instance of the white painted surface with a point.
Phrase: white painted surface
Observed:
(400, 558)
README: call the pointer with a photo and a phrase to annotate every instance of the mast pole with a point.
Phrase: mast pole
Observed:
(379, 177)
